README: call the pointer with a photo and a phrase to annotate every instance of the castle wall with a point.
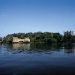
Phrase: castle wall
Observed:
(15, 39)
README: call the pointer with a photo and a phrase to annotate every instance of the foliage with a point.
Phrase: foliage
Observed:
(0, 39)
(46, 37)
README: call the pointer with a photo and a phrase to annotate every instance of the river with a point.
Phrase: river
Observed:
(37, 59)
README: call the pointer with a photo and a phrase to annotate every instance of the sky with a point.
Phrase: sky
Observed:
(36, 15)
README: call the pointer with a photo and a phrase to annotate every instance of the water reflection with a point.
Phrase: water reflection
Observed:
(17, 48)
(45, 47)
(21, 46)
(69, 48)
(39, 47)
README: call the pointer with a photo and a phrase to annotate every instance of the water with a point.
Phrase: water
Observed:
(24, 59)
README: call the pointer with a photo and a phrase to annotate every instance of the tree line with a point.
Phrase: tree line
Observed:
(42, 37)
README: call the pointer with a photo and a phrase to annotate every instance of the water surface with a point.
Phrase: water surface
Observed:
(23, 59)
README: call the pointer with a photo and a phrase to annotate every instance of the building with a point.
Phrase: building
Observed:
(18, 40)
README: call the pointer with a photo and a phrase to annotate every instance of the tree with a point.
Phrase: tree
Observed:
(68, 36)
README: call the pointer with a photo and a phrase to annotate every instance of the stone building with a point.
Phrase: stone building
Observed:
(18, 40)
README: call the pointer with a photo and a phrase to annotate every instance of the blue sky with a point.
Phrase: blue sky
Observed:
(36, 15)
